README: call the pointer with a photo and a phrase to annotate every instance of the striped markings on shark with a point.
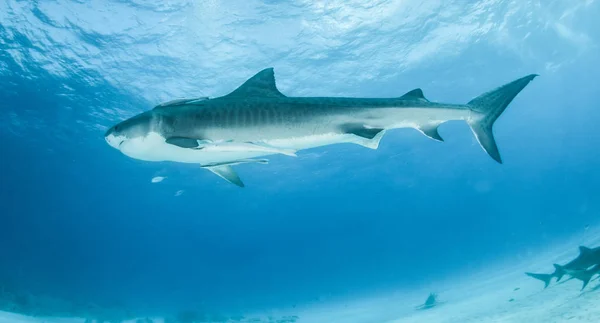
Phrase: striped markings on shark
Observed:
(257, 120)
(584, 267)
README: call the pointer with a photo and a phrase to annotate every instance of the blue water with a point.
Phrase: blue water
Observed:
(83, 223)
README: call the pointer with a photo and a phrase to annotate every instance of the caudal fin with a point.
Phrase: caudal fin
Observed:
(490, 106)
(546, 278)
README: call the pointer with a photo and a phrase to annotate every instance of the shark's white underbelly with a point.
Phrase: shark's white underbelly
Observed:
(154, 148)
(314, 141)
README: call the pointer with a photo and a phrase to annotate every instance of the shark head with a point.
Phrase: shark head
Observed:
(132, 136)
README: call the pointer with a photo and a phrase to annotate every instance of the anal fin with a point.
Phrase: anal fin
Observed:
(431, 131)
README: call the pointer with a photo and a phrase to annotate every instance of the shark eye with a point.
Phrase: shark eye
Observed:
(117, 128)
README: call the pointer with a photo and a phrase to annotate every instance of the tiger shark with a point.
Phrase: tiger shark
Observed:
(257, 120)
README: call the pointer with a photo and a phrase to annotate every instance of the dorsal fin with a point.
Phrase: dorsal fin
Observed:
(260, 85)
(583, 250)
(416, 94)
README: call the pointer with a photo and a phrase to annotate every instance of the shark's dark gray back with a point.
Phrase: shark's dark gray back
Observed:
(587, 257)
(257, 105)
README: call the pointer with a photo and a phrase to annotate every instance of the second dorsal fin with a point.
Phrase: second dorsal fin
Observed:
(262, 84)
(416, 94)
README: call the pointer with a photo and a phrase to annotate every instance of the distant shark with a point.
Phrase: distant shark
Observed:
(577, 268)
(257, 120)
(430, 302)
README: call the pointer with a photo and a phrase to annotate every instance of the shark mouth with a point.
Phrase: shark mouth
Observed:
(115, 141)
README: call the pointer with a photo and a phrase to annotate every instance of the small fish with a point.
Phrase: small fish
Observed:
(179, 193)
(158, 179)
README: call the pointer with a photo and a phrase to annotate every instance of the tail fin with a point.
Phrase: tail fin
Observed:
(491, 105)
(543, 277)
(559, 272)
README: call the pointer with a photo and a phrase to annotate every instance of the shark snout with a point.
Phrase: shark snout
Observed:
(113, 139)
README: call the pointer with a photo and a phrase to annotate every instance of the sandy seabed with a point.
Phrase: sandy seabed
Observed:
(502, 294)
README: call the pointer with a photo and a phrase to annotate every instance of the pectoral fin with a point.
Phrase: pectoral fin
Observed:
(189, 143)
(361, 130)
(183, 142)
(227, 173)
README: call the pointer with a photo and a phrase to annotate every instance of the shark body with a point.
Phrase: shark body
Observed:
(585, 275)
(430, 302)
(583, 267)
(257, 120)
